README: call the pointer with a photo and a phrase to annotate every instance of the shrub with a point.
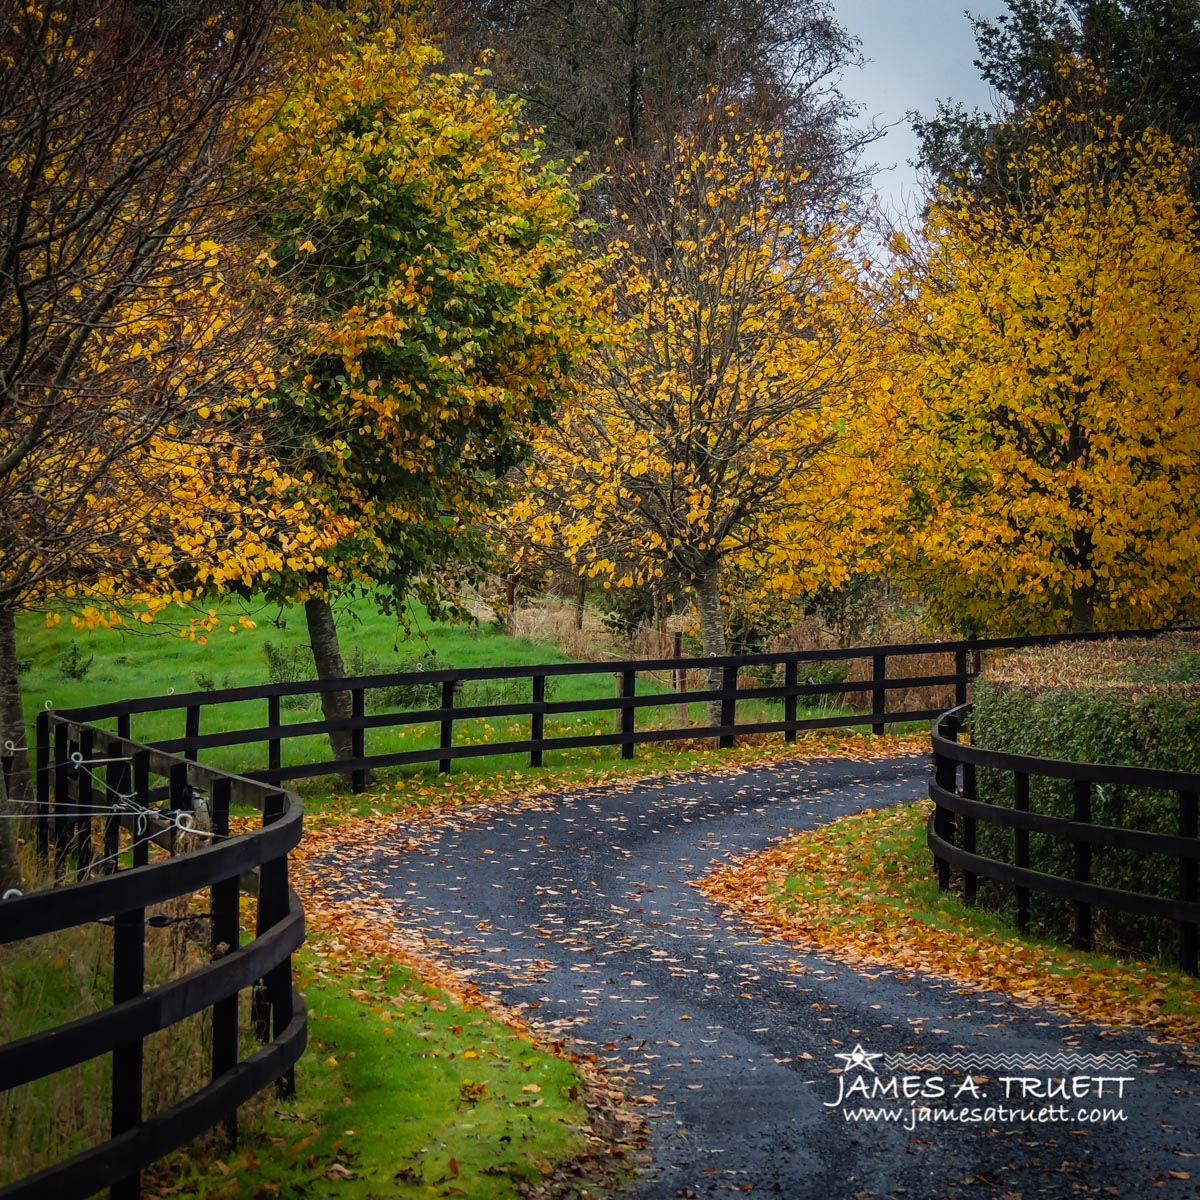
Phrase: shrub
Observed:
(291, 664)
(72, 663)
(412, 695)
(1119, 703)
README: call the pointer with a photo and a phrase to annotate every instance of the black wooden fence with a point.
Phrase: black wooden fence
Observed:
(96, 783)
(729, 681)
(104, 802)
(953, 832)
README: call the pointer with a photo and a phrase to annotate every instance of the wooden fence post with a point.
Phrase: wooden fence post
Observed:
(358, 738)
(1082, 790)
(791, 676)
(273, 903)
(960, 684)
(180, 796)
(274, 750)
(1187, 881)
(62, 791)
(1021, 846)
(878, 693)
(729, 683)
(119, 781)
(970, 879)
(446, 729)
(84, 797)
(42, 761)
(681, 709)
(945, 772)
(192, 730)
(226, 935)
(129, 980)
(537, 720)
(628, 686)
(141, 797)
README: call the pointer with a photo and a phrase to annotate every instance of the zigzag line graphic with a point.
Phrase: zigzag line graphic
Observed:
(1012, 1062)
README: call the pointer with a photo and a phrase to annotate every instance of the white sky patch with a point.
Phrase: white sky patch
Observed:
(919, 51)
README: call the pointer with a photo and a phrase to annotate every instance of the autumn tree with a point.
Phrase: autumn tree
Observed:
(1148, 50)
(604, 78)
(735, 362)
(1047, 387)
(450, 309)
(121, 326)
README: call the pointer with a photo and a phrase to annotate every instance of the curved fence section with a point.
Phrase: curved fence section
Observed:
(126, 828)
(954, 827)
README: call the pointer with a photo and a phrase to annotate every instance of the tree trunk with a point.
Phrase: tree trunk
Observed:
(16, 783)
(10, 863)
(1079, 557)
(1083, 610)
(580, 601)
(327, 654)
(712, 630)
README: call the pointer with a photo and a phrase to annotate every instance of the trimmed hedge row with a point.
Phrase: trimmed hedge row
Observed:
(1117, 704)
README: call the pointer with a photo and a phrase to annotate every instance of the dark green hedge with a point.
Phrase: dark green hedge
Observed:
(1116, 726)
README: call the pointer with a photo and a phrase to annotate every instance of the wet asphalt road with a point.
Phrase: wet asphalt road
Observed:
(578, 912)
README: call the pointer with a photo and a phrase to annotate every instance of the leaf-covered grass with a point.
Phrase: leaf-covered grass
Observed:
(863, 888)
(410, 792)
(404, 1092)
(1124, 665)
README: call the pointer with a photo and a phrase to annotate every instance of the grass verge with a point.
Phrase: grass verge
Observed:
(863, 888)
(408, 1091)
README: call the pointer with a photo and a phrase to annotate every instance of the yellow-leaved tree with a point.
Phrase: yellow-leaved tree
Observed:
(447, 307)
(135, 344)
(706, 433)
(1047, 384)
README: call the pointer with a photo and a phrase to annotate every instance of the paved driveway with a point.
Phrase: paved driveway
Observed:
(579, 911)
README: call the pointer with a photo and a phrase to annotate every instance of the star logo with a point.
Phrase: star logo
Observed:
(859, 1057)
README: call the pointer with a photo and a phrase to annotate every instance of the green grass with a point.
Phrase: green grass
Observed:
(403, 1093)
(132, 663)
(123, 664)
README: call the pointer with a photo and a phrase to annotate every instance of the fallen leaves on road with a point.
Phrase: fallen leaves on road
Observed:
(854, 901)
(347, 934)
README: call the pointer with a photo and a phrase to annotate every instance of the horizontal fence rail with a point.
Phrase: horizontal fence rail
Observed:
(953, 830)
(126, 827)
(727, 682)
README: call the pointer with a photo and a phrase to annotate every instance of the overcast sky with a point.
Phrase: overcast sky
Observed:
(920, 51)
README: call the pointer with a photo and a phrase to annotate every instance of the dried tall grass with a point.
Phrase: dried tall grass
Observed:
(920, 697)
(50, 980)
